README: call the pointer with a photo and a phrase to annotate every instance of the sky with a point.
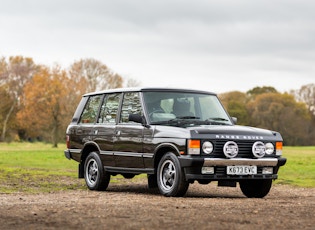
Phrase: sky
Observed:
(213, 45)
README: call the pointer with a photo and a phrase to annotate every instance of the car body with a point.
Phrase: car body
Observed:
(175, 136)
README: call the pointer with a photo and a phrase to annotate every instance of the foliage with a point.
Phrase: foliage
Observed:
(306, 94)
(235, 103)
(37, 102)
(45, 109)
(266, 108)
(14, 74)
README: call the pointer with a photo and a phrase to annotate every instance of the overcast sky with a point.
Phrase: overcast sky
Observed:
(217, 46)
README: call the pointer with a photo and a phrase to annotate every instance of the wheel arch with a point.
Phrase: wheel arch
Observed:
(161, 150)
(88, 147)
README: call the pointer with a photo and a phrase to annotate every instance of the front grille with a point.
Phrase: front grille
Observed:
(244, 147)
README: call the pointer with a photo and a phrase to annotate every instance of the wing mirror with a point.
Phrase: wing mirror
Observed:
(137, 118)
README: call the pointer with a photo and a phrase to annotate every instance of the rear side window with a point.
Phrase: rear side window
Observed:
(90, 112)
(109, 108)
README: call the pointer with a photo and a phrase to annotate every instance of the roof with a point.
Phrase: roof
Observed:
(148, 89)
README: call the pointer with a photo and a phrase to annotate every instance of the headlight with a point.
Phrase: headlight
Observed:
(207, 147)
(269, 148)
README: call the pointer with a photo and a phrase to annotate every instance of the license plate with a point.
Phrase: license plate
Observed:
(241, 170)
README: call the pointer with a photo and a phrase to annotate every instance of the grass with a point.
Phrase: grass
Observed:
(37, 167)
(300, 167)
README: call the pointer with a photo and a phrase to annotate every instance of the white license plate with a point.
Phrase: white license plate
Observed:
(241, 170)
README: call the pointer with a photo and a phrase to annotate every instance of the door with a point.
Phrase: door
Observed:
(128, 145)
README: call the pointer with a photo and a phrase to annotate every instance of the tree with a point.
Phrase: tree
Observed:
(96, 75)
(260, 90)
(235, 104)
(14, 74)
(306, 94)
(280, 112)
(45, 104)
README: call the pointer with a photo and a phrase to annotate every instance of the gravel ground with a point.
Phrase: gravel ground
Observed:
(133, 206)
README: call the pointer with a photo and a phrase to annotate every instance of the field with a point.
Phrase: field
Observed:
(37, 167)
(40, 190)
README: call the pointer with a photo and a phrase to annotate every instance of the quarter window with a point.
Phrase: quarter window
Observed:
(90, 111)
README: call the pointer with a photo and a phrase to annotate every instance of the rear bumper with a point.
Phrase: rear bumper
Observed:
(67, 154)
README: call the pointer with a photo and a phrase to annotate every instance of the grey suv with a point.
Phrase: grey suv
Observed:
(175, 136)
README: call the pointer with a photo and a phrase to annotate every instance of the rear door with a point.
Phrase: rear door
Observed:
(106, 126)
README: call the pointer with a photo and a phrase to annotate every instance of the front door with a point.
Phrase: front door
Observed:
(128, 146)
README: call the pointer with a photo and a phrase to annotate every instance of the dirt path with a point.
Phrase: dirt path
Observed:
(133, 206)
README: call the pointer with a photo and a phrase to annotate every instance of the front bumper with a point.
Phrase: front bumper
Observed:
(193, 167)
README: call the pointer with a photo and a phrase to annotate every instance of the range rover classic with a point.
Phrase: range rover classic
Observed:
(175, 136)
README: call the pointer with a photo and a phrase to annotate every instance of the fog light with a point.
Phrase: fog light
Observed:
(267, 170)
(207, 170)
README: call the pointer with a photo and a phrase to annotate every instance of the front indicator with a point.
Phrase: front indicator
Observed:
(194, 147)
(278, 148)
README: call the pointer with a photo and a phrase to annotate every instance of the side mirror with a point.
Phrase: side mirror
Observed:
(234, 119)
(136, 118)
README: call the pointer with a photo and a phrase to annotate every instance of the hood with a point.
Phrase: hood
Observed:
(233, 132)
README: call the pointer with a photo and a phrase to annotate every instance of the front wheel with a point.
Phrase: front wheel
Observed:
(170, 176)
(95, 176)
(256, 188)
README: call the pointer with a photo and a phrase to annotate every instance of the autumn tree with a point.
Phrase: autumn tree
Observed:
(235, 103)
(96, 75)
(45, 105)
(15, 73)
(280, 112)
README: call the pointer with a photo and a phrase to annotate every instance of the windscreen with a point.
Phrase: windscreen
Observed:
(173, 106)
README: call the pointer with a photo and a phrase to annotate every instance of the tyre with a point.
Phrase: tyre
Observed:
(255, 188)
(96, 178)
(170, 176)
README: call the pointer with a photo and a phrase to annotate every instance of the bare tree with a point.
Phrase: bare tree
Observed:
(14, 74)
(96, 74)
(306, 94)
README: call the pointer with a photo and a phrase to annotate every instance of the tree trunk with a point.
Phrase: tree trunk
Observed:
(5, 122)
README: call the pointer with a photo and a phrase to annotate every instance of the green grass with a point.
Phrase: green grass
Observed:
(37, 167)
(300, 167)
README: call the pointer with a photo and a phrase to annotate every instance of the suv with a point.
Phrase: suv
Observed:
(175, 136)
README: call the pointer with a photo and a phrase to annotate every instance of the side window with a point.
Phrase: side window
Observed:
(109, 108)
(131, 105)
(90, 111)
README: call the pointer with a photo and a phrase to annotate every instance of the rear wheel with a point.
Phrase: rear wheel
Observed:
(170, 176)
(95, 176)
(255, 188)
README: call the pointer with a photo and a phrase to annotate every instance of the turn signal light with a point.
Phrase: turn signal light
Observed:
(194, 147)
(278, 148)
